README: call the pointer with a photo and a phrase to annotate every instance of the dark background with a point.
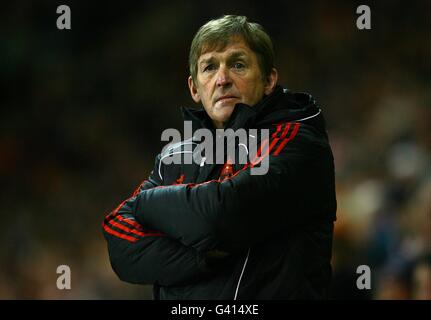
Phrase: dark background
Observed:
(82, 111)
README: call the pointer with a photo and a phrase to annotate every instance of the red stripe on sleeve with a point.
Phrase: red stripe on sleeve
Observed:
(279, 125)
(119, 235)
(129, 221)
(286, 129)
(134, 231)
(291, 137)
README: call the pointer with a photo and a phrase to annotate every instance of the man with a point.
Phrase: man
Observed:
(214, 231)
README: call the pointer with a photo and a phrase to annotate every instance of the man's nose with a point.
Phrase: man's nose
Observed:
(223, 77)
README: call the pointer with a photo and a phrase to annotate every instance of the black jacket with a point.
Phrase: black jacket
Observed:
(210, 231)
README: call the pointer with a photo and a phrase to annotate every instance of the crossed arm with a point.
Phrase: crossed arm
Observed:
(238, 212)
(193, 219)
(142, 256)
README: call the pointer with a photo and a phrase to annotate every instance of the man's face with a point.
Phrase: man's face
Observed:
(227, 77)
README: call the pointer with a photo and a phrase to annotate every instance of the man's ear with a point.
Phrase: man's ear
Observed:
(271, 81)
(193, 90)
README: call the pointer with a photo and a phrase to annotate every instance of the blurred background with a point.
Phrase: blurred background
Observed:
(82, 111)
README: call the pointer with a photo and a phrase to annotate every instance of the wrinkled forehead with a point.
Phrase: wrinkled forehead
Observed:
(220, 44)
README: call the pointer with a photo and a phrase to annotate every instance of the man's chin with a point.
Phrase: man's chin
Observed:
(223, 114)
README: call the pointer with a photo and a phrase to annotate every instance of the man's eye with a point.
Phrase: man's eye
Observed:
(239, 65)
(209, 67)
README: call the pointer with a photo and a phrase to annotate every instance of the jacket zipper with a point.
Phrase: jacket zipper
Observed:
(242, 272)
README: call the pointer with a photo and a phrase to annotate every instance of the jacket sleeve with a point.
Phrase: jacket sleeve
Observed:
(241, 211)
(142, 256)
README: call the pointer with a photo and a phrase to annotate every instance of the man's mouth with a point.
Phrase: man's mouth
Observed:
(226, 98)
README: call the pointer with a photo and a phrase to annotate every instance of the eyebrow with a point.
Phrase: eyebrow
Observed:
(237, 54)
(234, 55)
(206, 61)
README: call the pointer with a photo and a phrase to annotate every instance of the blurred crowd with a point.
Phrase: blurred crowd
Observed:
(82, 111)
